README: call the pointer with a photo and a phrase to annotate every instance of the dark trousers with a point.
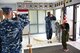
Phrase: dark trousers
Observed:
(49, 34)
(64, 45)
(65, 36)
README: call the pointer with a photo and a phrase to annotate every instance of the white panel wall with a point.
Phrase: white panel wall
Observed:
(45, 0)
(78, 23)
(41, 20)
(10, 1)
(14, 1)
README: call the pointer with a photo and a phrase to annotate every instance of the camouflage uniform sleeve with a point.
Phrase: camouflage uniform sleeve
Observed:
(0, 38)
(24, 20)
(0, 29)
(47, 19)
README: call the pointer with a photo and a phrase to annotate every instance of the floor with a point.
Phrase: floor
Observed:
(39, 40)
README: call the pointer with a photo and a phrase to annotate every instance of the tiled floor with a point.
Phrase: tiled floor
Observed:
(39, 40)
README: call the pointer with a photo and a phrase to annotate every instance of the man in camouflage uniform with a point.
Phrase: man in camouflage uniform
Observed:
(11, 32)
(48, 21)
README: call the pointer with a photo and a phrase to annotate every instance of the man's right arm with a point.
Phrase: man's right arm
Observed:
(23, 19)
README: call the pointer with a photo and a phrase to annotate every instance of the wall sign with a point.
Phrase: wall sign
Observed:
(30, 5)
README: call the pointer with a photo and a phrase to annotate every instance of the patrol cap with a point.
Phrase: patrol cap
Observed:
(6, 9)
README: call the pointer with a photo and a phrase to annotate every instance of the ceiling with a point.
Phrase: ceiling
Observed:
(15, 1)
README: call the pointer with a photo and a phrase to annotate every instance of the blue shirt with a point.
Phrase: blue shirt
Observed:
(11, 34)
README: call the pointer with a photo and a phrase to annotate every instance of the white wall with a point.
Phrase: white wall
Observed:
(78, 23)
(14, 1)
(10, 1)
(45, 0)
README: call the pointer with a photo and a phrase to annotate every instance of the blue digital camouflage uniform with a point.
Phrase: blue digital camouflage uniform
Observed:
(11, 34)
(48, 27)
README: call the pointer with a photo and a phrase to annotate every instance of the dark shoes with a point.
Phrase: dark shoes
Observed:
(49, 41)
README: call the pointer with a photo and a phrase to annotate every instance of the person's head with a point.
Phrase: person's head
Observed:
(64, 19)
(7, 12)
(48, 13)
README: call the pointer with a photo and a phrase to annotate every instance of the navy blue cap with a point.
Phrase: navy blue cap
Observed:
(6, 9)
